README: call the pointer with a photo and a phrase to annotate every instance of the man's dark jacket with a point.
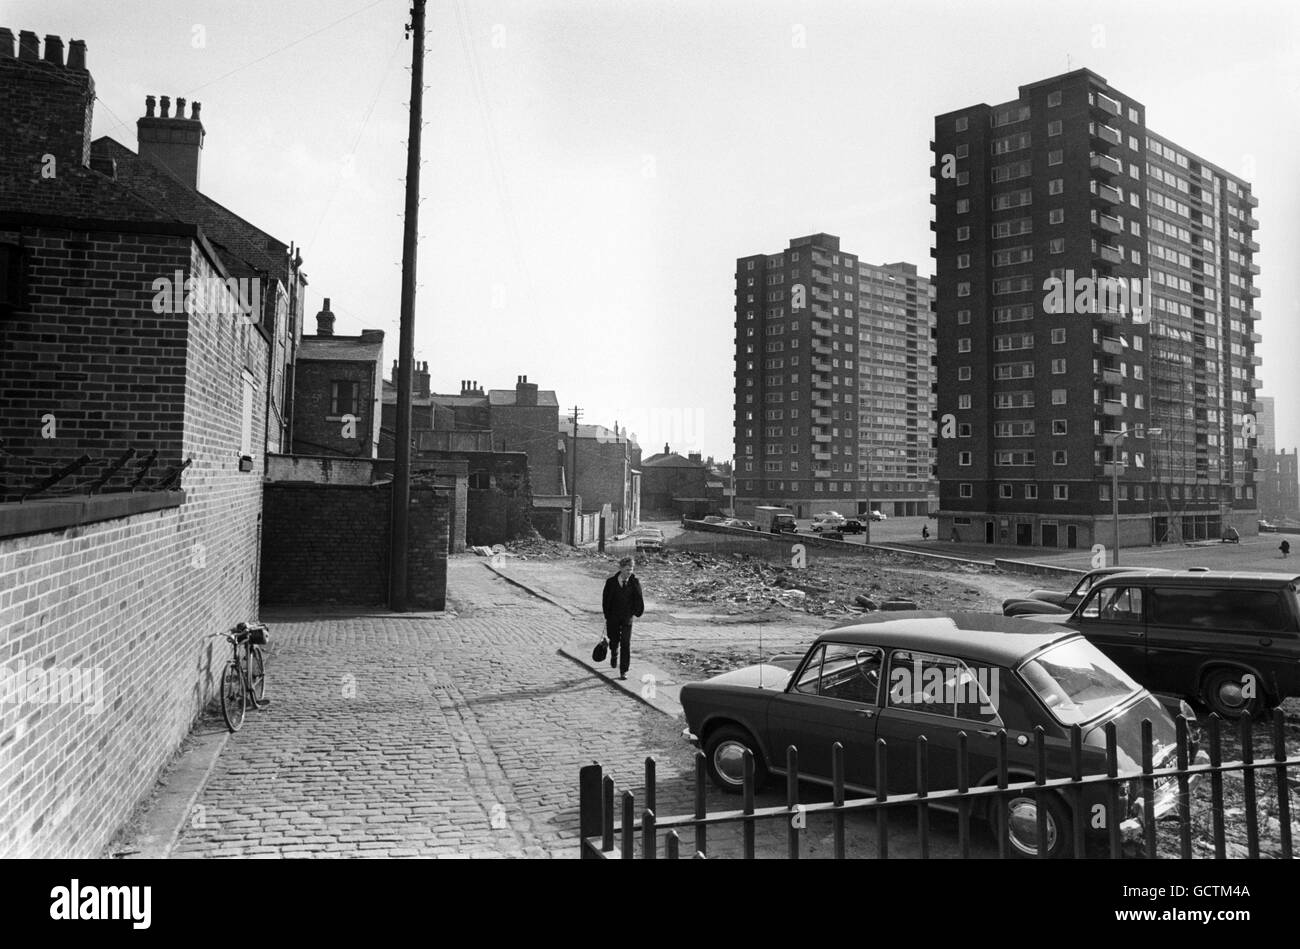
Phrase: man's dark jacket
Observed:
(621, 603)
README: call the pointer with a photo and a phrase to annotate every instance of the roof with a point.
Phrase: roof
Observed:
(982, 637)
(1233, 578)
(340, 349)
(502, 397)
(597, 432)
(671, 460)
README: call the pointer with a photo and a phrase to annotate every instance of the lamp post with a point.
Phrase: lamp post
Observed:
(1114, 483)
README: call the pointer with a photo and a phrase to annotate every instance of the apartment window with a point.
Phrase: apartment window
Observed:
(963, 289)
(963, 150)
(963, 261)
(963, 458)
(1058, 367)
(1055, 157)
(963, 317)
(344, 395)
(963, 344)
(1135, 256)
(963, 490)
(1059, 426)
(962, 124)
(963, 177)
(1058, 334)
(963, 234)
(1053, 99)
(1058, 397)
(963, 373)
(1054, 128)
(1061, 492)
(1058, 457)
(1056, 186)
(1056, 245)
(1133, 115)
(1056, 216)
(963, 401)
(963, 205)
(1031, 492)
(963, 430)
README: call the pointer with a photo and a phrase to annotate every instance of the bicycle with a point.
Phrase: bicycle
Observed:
(243, 677)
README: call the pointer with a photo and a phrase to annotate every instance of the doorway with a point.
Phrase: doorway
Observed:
(988, 532)
(1049, 535)
(1071, 536)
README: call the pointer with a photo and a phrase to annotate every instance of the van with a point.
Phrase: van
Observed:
(774, 519)
(1229, 640)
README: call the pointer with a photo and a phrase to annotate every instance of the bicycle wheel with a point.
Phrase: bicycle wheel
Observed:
(234, 697)
(257, 676)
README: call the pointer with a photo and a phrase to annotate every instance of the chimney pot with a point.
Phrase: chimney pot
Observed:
(194, 110)
(165, 107)
(53, 49)
(29, 46)
(150, 103)
(76, 55)
(180, 108)
(6, 43)
(665, 448)
(325, 320)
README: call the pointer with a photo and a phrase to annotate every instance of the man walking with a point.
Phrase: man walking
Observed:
(621, 602)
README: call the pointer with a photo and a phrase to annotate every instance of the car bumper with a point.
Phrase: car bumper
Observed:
(1166, 803)
(690, 736)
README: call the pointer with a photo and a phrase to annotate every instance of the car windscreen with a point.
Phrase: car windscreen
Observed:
(1076, 681)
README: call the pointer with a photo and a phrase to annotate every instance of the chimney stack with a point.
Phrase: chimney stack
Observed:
(46, 107)
(6, 43)
(525, 392)
(29, 47)
(53, 49)
(76, 55)
(666, 452)
(324, 319)
(420, 386)
(174, 143)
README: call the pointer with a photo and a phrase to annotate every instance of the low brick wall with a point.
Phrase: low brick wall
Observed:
(328, 543)
(1039, 569)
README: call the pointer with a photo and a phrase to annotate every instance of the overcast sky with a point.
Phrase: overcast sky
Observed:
(593, 169)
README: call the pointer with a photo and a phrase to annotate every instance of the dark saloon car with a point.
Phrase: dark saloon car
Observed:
(935, 675)
(1059, 602)
(852, 526)
(1230, 640)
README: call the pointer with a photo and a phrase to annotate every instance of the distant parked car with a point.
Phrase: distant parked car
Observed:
(827, 521)
(649, 540)
(1230, 536)
(949, 677)
(1266, 527)
(853, 526)
(1061, 601)
(878, 516)
(714, 519)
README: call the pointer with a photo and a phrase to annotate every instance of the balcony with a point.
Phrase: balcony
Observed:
(1255, 315)
(821, 296)
(821, 403)
(1103, 104)
(1254, 291)
(821, 438)
(1112, 407)
(1253, 245)
(1256, 338)
(821, 455)
(1106, 167)
(1102, 134)
(1251, 222)
(1108, 194)
(1109, 223)
(821, 384)
(1111, 317)
(821, 473)
(1110, 254)
(820, 365)
(1253, 268)
(821, 330)
(1256, 360)
(1251, 200)
(820, 348)
(1111, 377)
(1109, 469)
(1112, 346)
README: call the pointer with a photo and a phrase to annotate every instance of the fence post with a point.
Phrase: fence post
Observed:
(1248, 776)
(882, 795)
(792, 800)
(1283, 795)
(590, 812)
(1216, 788)
(837, 816)
(701, 829)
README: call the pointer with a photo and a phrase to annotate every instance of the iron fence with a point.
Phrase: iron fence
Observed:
(1128, 796)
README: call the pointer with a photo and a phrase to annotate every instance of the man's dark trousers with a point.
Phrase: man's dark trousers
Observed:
(620, 643)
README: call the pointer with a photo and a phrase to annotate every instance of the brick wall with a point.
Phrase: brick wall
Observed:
(534, 430)
(316, 430)
(131, 600)
(328, 543)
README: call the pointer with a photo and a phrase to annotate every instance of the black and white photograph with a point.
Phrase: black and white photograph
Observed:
(612, 430)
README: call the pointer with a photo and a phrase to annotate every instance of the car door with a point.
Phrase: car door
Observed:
(1113, 618)
(937, 697)
(833, 697)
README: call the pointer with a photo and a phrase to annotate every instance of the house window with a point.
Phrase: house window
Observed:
(963, 317)
(1061, 492)
(963, 430)
(963, 401)
(963, 289)
(963, 458)
(963, 344)
(1059, 426)
(1058, 457)
(1056, 157)
(962, 124)
(344, 395)
(963, 177)
(1031, 492)
(478, 480)
(1004, 490)
(963, 490)
(963, 261)
(1053, 99)
(1058, 397)
(963, 205)
(1058, 367)
(1054, 127)
(1056, 245)
(1056, 186)
(1056, 215)
(963, 234)
(963, 373)
(963, 150)
(1058, 334)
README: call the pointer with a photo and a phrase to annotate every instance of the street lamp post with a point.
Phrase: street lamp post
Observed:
(1114, 484)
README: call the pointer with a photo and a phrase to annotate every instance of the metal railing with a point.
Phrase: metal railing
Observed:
(601, 839)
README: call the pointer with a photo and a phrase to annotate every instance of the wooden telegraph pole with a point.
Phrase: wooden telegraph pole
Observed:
(406, 345)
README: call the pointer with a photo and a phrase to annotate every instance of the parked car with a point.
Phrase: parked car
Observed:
(1058, 601)
(714, 519)
(1230, 640)
(648, 539)
(1230, 536)
(1267, 527)
(946, 673)
(827, 521)
(852, 526)
(878, 516)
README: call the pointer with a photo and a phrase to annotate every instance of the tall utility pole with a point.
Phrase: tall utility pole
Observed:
(406, 345)
(573, 482)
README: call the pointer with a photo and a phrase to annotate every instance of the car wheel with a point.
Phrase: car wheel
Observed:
(1223, 691)
(1022, 826)
(725, 754)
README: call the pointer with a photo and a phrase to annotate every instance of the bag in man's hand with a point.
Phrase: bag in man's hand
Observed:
(600, 652)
